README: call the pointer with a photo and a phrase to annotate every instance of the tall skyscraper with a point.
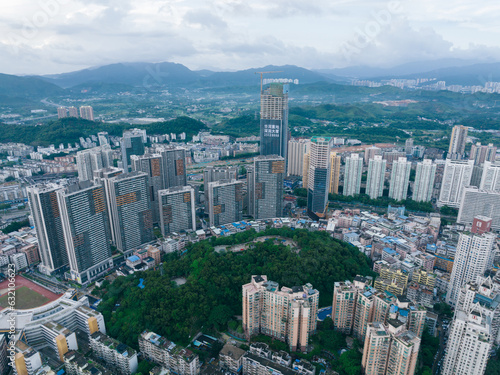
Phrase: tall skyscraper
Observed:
(297, 148)
(352, 175)
(225, 199)
(458, 139)
(86, 230)
(370, 153)
(103, 138)
(480, 154)
(87, 112)
(288, 314)
(335, 162)
(305, 170)
(62, 112)
(47, 218)
(389, 349)
(491, 177)
(474, 256)
(345, 297)
(376, 177)
(363, 314)
(457, 174)
(102, 177)
(250, 198)
(93, 159)
(73, 112)
(485, 290)
(343, 306)
(151, 164)
(400, 178)
(131, 214)
(356, 304)
(469, 344)
(409, 147)
(318, 183)
(269, 173)
(132, 143)
(476, 202)
(215, 173)
(174, 166)
(274, 131)
(177, 210)
(424, 181)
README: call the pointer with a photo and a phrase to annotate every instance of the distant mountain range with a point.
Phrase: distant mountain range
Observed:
(27, 87)
(172, 74)
(130, 76)
(454, 71)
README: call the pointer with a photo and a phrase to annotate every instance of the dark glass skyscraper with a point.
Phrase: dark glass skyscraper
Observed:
(47, 219)
(274, 131)
(319, 174)
(86, 230)
(152, 165)
(225, 199)
(131, 214)
(174, 166)
(267, 186)
(132, 143)
(177, 209)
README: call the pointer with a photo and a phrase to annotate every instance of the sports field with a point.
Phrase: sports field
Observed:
(28, 294)
(25, 299)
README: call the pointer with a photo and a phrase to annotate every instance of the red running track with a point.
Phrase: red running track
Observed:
(21, 281)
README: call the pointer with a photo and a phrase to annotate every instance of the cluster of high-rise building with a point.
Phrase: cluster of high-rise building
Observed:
(286, 314)
(321, 168)
(86, 112)
(390, 326)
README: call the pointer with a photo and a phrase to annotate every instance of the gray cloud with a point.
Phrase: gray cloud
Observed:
(204, 19)
(238, 34)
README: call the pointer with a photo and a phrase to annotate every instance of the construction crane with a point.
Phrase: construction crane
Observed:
(261, 73)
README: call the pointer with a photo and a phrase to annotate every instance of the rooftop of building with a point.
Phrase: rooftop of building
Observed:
(270, 364)
(111, 343)
(232, 351)
(129, 175)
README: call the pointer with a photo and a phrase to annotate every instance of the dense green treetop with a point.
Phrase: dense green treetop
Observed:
(71, 129)
(212, 293)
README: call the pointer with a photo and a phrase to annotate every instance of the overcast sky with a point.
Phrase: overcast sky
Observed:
(53, 36)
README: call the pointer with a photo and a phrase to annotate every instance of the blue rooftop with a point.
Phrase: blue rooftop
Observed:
(134, 258)
(404, 312)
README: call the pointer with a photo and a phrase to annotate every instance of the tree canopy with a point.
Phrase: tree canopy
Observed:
(212, 293)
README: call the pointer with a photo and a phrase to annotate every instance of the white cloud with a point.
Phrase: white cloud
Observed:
(238, 34)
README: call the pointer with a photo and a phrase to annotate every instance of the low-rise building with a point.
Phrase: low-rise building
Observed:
(121, 358)
(230, 358)
(168, 354)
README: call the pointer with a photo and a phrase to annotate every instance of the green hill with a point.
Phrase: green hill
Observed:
(31, 88)
(212, 293)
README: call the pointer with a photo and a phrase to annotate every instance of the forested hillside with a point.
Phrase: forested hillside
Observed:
(212, 293)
